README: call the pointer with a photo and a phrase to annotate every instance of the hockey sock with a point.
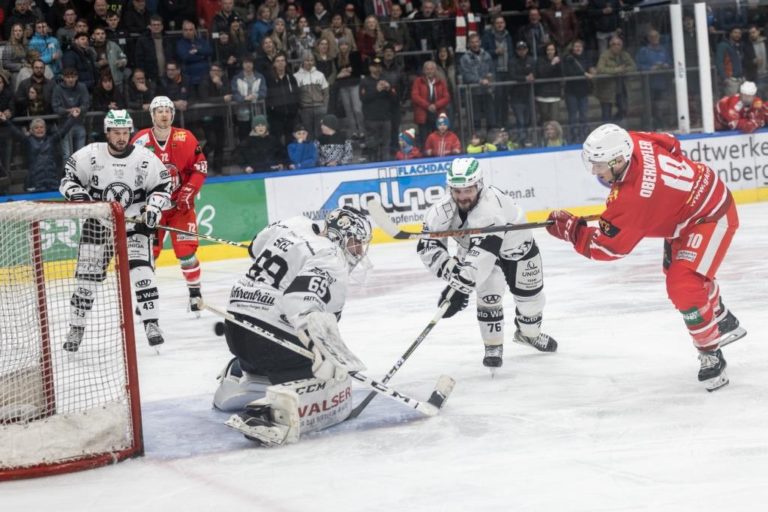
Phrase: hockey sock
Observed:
(190, 268)
(82, 301)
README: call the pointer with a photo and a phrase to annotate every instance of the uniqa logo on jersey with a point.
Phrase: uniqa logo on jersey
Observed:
(413, 193)
(119, 192)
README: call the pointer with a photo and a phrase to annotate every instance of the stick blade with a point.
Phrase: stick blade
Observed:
(381, 217)
(442, 391)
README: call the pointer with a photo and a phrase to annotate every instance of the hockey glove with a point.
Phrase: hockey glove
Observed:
(458, 302)
(150, 218)
(564, 225)
(80, 197)
(186, 198)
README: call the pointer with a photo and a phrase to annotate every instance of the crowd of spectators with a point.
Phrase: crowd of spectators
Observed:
(325, 82)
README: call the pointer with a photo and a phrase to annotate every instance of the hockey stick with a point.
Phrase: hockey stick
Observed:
(382, 219)
(431, 407)
(438, 315)
(191, 233)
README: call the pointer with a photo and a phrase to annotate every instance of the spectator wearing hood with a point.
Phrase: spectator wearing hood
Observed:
(333, 146)
(260, 151)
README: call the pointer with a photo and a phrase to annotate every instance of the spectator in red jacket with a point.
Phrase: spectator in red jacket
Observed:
(744, 111)
(430, 97)
(442, 141)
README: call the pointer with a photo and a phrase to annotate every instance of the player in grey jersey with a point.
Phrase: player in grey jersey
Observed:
(483, 263)
(295, 289)
(133, 176)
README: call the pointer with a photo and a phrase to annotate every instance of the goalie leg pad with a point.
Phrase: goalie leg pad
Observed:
(238, 388)
(293, 409)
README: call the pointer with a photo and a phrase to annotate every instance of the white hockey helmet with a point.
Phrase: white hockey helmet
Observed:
(605, 144)
(350, 229)
(464, 173)
(118, 119)
(159, 102)
(748, 88)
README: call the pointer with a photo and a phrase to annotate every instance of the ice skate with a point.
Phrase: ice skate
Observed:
(729, 328)
(493, 358)
(712, 371)
(154, 334)
(256, 424)
(74, 338)
(542, 342)
(195, 300)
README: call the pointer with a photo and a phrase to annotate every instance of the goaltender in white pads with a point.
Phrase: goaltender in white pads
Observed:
(483, 263)
(295, 289)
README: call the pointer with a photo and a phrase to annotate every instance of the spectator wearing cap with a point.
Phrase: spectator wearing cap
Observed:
(153, 50)
(48, 47)
(283, 98)
(349, 69)
(333, 146)
(380, 99)
(430, 98)
(522, 69)
(43, 152)
(71, 98)
(249, 87)
(498, 43)
(408, 148)
(82, 57)
(442, 141)
(500, 139)
(260, 151)
(477, 69)
(302, 152)
(313, 92)
(194, 53)
(223, 17)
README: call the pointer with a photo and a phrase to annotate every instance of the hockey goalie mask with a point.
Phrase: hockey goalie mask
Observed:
(162, 102)
(350, 229)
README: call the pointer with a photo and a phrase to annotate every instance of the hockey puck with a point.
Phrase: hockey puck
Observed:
(218, 328)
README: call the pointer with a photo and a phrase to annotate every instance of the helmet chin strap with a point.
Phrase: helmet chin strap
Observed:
(617, 175)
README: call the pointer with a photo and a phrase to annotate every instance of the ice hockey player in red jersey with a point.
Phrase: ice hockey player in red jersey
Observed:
(658, 192)
(744, 111)
(180, 151)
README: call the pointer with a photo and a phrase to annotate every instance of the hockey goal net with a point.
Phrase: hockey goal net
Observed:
(63, 410)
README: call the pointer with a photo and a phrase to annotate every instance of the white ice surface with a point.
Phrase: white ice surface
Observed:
(614, 421)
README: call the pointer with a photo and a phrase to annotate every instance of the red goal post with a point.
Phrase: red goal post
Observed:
(65, 411)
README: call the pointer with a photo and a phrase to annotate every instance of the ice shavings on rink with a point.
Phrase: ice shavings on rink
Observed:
(614, 421)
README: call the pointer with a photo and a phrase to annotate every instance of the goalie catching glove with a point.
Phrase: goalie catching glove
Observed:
(319, 332)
